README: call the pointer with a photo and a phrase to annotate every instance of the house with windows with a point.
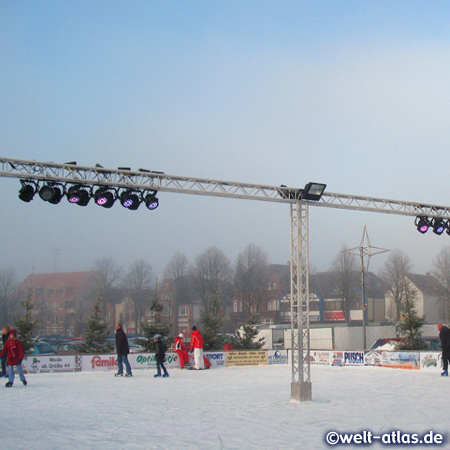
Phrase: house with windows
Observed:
(428, 304)
(60, 302)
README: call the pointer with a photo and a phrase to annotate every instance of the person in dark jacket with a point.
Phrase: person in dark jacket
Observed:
(122, 351)
(14, 350)
(160, 356)
(5, 336)
(444, 336)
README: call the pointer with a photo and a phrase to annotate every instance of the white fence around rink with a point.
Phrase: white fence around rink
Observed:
(336, 338)
(429, 361)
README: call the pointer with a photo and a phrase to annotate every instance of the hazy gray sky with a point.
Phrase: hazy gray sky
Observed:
(352, 94)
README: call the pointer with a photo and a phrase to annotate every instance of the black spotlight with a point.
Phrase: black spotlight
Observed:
(439, 226)
(78, 195)
(129, 200)
(151, 202)
(422, 223)
(50, 193)
(313, 191)
(104, 197)
(27, 192)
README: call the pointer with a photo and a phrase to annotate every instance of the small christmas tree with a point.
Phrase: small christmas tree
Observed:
(246, 338)
(410, 327)
(212, 321)
(26, 325)
(97, 330)
(155, 327)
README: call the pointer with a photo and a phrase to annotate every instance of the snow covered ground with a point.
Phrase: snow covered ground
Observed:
(227, 408)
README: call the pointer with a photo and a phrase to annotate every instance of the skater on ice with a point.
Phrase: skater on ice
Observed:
(444, 336)
(122, 351)
(197, 348)
(13, 348)
(5, 336)
(160, 356)
(181, 351)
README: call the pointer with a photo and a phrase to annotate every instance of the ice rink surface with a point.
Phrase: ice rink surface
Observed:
(229, 408)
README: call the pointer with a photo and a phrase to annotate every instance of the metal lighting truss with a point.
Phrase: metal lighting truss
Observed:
(143, 179)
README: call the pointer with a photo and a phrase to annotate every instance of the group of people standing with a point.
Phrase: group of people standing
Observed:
(196, 348)
(11, 355)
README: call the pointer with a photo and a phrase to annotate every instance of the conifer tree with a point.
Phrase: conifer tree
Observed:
(410, 327)
(26, 325)
(97, 330)
(212, 321)
(155, 326)
(246, 338)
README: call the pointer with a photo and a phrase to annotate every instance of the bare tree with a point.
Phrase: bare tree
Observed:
(212, 272)
(441, 270)
(394, 274)
(107, 274)
(9, 298)
(346, 276)
(252, 279)
(106, 277)
(138, 286)
(179, 286)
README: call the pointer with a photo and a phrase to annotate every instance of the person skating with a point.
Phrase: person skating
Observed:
(122, 351)
(13, 348)
(197, 348)
(181, 351)
(160, 356)
(5, 336)
(444, 336)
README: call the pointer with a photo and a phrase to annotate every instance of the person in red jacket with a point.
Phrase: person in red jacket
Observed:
(181, 350)
(14, 350)
(197, 348)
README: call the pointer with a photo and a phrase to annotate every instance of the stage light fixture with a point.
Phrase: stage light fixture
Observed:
(151, 202)
(422, 223)
(439, 226)
(78, 195)
(130, 200)
(27, 191)
(313, 191)
(104, 197)
(51, 193)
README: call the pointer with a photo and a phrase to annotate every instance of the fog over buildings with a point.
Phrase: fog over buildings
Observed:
(352, 95)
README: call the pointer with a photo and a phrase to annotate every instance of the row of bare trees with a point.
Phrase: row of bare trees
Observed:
(212, 279)
(346, 269)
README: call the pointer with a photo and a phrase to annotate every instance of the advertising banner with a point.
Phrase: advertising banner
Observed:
(46, 364)
(99, 363)
(431, 361)
(277, 357)
(148, 361)
(217, 359)
(320, 357)
(402, 360)
(354, 358)
(338, 359)
(246, 358)
(373, 358)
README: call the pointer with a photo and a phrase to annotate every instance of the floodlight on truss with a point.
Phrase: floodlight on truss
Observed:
(27, 191)
(422, 223)
(130, 200)
(439, 226)
(313, 191)
(151, 201)
(51, 193)
(78, 195)
(105, 197)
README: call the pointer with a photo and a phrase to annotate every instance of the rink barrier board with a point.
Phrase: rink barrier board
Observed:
(428, 361)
